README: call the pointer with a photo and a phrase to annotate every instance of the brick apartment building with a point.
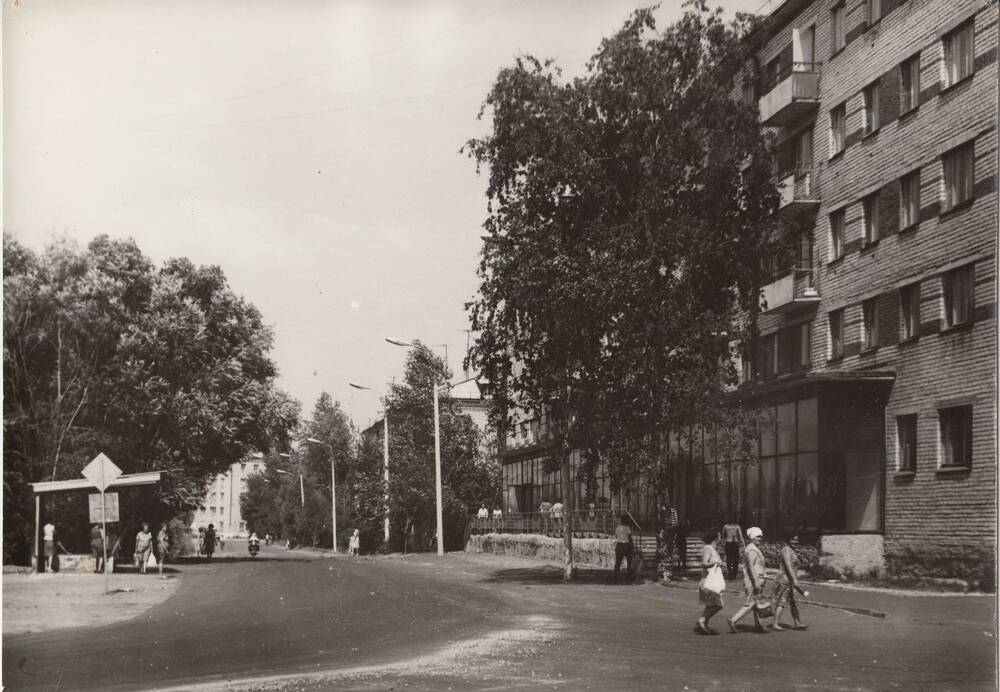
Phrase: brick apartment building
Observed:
(876, 356)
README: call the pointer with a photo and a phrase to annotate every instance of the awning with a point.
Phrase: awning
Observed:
(125, 480)
(810, 380)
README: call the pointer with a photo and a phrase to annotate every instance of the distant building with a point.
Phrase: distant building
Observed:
(221, 505)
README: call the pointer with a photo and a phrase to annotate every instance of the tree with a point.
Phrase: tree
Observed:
(160, 369)
(628, 213)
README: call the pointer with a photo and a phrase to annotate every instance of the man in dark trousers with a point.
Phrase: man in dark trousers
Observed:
(731, 537)
(623, 547)
(681, 541)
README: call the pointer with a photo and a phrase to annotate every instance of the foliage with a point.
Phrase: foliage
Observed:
(628, 212)
(161, 369)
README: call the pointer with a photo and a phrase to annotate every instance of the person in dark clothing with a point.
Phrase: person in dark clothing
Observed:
(210, 539)
(731, 536)
(681, 541)
(623, 547)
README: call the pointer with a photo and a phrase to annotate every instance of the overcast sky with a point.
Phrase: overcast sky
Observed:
(311, 149)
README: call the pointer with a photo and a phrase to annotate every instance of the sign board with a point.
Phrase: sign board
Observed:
(110, 505)
(101, 472)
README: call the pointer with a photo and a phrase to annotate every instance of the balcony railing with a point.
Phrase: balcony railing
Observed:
(794, 290)
(790, 94)
(798, 189)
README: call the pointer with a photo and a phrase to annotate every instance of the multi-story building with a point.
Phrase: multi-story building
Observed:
(876, 354)
(221, 505)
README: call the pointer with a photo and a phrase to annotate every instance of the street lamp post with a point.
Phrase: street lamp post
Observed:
(333, 487)
(385, 453)
(437, 454)
(302, 488)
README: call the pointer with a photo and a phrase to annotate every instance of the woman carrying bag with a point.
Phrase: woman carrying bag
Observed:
(753, 583)
(712, 582)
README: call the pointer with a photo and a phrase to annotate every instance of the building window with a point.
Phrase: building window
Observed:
(874, 11)
(958, 55)
(909, 311)
(909, 199)
(906, 437)
(837, 234)
(836, 333)
(955, 426)
(959, 298)
(959, 173)
(871, 97)
(838, 30)
(909, 84)
(870, 206)
(838, 129)
(869, 313)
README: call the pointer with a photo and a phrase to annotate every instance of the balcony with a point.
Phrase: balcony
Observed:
(793, 291)
(798, 190)
(791, 95)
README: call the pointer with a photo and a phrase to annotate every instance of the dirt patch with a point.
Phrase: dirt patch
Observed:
(44, 602)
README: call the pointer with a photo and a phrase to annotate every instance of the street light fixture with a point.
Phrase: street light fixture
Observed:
(333, 487)
(302, 488)
(437, 453)
(385, 453)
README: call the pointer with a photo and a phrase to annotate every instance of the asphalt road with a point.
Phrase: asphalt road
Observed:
(287, 621)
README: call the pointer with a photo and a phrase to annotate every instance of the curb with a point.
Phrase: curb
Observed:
(832, 606)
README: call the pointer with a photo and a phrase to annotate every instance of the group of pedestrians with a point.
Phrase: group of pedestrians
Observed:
(713, 583)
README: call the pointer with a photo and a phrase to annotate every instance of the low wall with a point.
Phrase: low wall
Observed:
(597, 552)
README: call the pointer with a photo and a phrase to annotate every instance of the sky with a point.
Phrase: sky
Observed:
(310, 149)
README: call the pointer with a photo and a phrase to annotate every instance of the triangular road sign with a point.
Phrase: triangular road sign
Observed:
(101, 472)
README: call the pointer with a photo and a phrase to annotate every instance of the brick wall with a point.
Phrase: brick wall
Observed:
(930, 516)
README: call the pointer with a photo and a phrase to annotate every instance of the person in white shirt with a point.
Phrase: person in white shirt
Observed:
(49, 538)
(483, 512)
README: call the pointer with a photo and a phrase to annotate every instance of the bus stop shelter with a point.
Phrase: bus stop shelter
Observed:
(46, 488)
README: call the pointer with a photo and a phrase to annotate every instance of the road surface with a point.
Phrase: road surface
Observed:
(292, 621)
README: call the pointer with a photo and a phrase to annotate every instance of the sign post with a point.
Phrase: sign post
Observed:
(102, 472)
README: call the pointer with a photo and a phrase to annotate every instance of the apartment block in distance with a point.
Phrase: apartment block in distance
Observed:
(877, 336)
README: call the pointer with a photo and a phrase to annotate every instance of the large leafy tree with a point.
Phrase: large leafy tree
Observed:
(161, 369)
(628, 212)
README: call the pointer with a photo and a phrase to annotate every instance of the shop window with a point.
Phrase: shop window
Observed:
(906, 443)
(959, 175)
(955, 426)
(909, 84)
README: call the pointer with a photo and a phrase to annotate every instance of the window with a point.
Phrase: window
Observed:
(955, 425)
(909, 199)
(959, 173)
(871, 96)
(906, 440)
(869, 311)
(836, 333)
(909, 311)
(959, 299)
(958, 55)
(874, 11)
(838, 31)
(838, 129)
(793, 348)
(837, 234)
(870, 205)
(909, 84)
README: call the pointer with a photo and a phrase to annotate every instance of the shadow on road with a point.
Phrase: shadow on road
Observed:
(549, 574)
(234, 559)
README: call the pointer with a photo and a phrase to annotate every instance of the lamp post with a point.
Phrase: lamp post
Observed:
(385, 454)
(333, 487)
(437, 453)
(302, 488)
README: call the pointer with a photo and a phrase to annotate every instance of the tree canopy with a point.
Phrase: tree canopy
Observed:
(161, 369)
(628, 210)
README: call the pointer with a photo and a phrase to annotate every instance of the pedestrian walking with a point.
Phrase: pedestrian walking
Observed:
(753, 581)
(681, 534)
(731, 533)
(354, 544)
(162, 545)
(97, 547)
(623, 547)
(788, 584)
(143, 547)
(712, 582)
(210, 539)
(49, 544)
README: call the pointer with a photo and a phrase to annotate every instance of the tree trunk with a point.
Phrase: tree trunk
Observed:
(569, 571)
